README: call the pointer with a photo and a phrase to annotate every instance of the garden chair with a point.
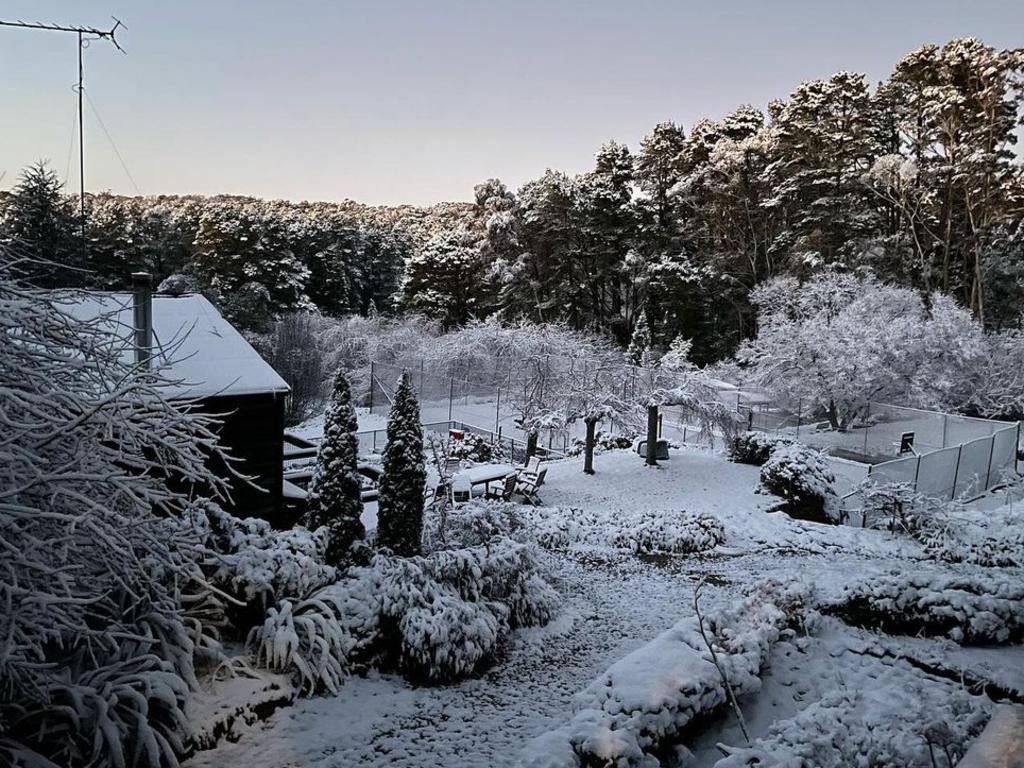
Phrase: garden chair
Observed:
(505, 491)
(528, 485)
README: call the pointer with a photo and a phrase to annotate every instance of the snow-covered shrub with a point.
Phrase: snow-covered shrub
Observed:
(96, 654)
(993, 539)
(911, 725)
(476, 449)
(645, 531)
(307, 637)
(256, 564)
(754, 447)
(603, 441)
(803, 477)
(440, 636)
(972, 610)
(319, 638)
(947, 530)
(125, 713)
(646, 698)
(436, 618)
(473, 523)
(669, 532)
(561, 527)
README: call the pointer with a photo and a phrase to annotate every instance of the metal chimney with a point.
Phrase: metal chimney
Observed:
(142, 288)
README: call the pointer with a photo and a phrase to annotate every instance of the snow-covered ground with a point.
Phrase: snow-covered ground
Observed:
(616, 602)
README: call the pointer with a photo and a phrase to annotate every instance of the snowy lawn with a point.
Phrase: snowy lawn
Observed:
(615, 603)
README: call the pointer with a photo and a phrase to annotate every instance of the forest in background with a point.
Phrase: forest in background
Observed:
(914, 180)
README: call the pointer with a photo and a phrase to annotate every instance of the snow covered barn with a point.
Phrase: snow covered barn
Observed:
(213, 366)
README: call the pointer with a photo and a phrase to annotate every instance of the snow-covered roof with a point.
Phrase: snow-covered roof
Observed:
(193, 345)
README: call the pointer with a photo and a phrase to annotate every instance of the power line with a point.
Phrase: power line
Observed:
(124, 165)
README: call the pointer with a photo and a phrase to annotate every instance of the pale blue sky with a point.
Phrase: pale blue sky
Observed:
(391, 102)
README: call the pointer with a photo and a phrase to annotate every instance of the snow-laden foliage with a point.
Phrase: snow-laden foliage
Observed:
(435, 618)
(946, 529)
(673, 532)
(335, 492)
(802, 476)
(644, 699)
(838, 342)
(128, 712)
(105, 604)
(911, 726)
(256, 564)
(400, 504)
(754, 447)
(603, 441)
(979, 609)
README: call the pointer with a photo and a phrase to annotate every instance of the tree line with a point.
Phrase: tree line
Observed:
(914, 180)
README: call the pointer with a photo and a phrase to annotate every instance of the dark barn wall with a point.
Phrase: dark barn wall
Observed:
(252, 430)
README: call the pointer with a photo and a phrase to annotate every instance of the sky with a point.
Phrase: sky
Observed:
(404, 101)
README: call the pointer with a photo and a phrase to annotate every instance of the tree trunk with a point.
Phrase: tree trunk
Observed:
(833, 415)
(652, 435)
(588, 452)
(531, 444)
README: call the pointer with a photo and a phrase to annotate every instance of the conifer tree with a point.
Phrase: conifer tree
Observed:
(638, 352)
(336, 500)
(400, 506)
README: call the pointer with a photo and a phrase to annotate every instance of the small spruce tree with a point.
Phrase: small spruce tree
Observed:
(638, 352)
(400, 505)
(335, 493)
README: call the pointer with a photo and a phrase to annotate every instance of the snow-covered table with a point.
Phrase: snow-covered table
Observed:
(484, 475)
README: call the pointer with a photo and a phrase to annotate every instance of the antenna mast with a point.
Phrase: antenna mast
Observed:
(85, 36)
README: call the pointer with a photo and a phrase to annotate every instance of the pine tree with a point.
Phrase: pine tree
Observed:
(335, 498)
(638, 352)
(400, 506)
(39, 224)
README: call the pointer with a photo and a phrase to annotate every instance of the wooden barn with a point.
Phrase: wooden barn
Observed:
(212, 365)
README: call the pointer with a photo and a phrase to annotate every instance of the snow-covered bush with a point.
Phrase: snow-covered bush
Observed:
(645, 531)
(473, 523)
(754, 447)
(971, 610)
(256, 564)
(669, 532)
(125, 713)
(436, 618)
(476, 449)
(947, 530)
(98, 646)
(646, 698)
(911, 725)
(803, 477)
(603, 441)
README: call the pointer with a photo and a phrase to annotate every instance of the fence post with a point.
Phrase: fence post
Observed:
(1016, 446)
(991, 453)
(956, 472)
(498, 409)
(421, 379)
(451, 392)
(917, 471)
(371, 393)
(945, 425)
